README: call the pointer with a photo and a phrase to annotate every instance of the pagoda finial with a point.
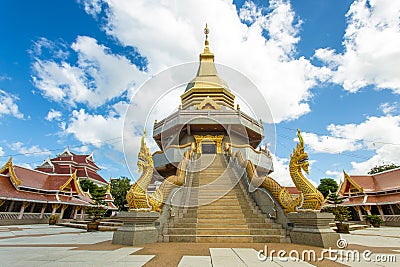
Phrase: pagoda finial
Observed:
(108, 191)
(206, 32)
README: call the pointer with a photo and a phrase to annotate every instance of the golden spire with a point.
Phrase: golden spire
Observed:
(108, 191)
(206, 32)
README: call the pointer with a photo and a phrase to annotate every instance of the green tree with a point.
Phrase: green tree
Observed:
(119, 188)
(342, 213)
(87, 184)
(97, 211)
(384, 167)
(327, 185)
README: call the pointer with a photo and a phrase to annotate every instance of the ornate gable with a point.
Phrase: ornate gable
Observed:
(208, 103)
(72, 184)
(349, 185)
(9, 169)
(65, 153)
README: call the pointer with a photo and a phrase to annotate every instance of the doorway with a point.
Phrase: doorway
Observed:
(208, 148)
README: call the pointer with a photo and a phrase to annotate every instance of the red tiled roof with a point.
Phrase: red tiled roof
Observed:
(8, 191)
(108, 197)
(78, 159)
(373, 200)
(40, 180)
(96, 176)
(382, 181)
(293, 190)
(111, 206)
(66, 164)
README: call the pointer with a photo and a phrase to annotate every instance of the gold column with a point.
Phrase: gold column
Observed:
(358, 209)
(63, 208)
(25, 204)
(381, 212)
(42, 210)
(367, 208)
(55, 206)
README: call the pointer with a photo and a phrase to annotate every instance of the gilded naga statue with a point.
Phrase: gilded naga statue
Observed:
(137, 196)
(313, 199)
(288, 202)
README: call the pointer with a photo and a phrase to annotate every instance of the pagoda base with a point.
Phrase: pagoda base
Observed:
(312, 228)
(138, 228)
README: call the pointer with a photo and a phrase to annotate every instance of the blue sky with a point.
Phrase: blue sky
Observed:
(330, 68)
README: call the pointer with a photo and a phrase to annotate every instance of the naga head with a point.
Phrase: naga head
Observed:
(299, 157)
(145, 159)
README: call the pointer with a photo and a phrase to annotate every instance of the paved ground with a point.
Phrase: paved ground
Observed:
(44, 245)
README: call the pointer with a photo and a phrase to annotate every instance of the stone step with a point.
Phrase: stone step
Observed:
(224, 239)
(221, 221)
(223, 211)
(254, 231)
(181, 231)
(222, 231)
(231, 215)
(211, 202)
(107, 223)
(107, 228)
(221, 196)
(206, 210)
(221, 226)
(74, 225)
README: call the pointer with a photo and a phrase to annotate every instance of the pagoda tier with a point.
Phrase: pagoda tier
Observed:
(208, 118)
(68, 162)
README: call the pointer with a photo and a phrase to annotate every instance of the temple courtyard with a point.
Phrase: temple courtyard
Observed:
(44, 245)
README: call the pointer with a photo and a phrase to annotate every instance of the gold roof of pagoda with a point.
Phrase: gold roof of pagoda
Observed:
(207, 85)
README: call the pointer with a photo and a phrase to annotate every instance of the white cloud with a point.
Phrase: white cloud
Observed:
(81, 149)
(329, 144)
(25, 165)
(8, 105)
(377, 134)
(388, 108)
(92, 7)
(281, 172)
(1, 152)
(336, 175)
(5, 77)
(96, 129)
(371, 47)
(53, 115)
(22, 149)
(97, 77)
(168, 34)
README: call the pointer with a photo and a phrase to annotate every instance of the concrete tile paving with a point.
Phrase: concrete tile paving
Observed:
(43, 245)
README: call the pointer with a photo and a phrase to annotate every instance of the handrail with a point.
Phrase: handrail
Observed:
(287, 201)
(267, 154)
(185, 182)
(172, 146)
(261, 189)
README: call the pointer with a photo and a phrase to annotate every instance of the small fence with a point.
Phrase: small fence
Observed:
(8, 218)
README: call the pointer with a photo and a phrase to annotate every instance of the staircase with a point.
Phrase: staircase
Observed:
(219, 210)
(105, 224)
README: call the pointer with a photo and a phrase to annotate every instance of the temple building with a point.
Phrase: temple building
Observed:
(207, 117)
(373, 194)
(31, 196)
(68, 162)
